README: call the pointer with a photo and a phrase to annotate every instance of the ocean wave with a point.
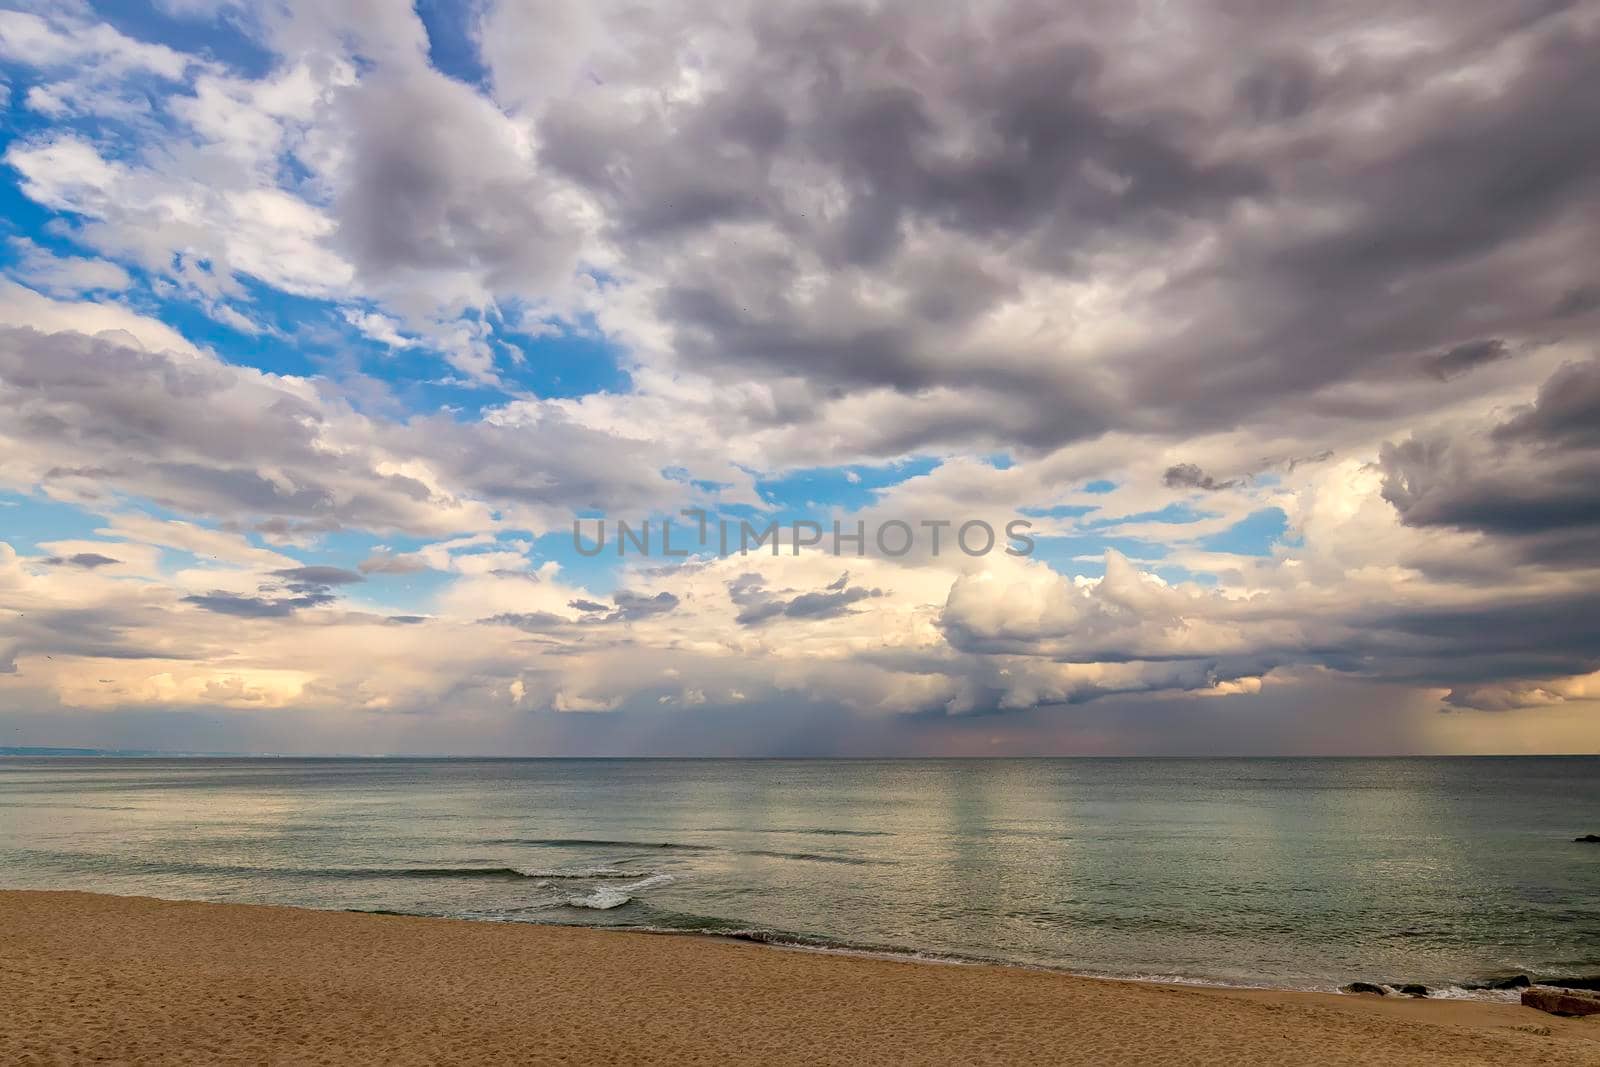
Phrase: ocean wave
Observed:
(427, 872)
(579, 873)
(807, 831)
(607, 897)
(596, 842)
(814, 857)
(603, 899)
(469, 871)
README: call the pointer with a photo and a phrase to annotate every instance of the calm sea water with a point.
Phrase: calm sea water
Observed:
(1294, 872)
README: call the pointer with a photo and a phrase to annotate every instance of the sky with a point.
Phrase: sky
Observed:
(321, 323)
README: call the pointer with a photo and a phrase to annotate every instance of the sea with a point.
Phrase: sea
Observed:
(1283, 873)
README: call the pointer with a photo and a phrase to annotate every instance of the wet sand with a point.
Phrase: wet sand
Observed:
(86, 978)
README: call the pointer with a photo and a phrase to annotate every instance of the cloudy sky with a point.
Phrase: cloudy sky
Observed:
(322, 320)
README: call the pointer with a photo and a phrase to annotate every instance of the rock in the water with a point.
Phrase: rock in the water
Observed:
(1574, 983)
(1366, 987)
(1561, 1001)
(1414, 990)
(1588, 839)
(1519, 981)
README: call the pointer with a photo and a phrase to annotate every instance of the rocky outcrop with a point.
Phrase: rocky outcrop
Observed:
(1414, 990)
(1588, 839)
(1561, 1001)
(1365, 987)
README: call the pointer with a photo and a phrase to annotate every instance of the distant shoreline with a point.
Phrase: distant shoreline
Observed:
(87, 975)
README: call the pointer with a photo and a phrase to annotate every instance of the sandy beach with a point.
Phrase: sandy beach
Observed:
(85, 978)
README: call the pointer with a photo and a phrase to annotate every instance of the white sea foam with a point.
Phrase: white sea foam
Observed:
(603, 899)
(607, 897)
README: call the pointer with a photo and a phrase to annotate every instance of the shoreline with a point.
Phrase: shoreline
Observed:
(777, 939)
(140, 978)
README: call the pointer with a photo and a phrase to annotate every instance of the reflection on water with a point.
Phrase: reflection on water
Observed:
(1289, 872)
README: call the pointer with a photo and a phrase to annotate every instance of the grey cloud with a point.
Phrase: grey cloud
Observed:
(626, 606)
(875, 204)
(434, 184)
(207, 439)
(86, 560)
(1466, 357)
(1487, 640)
(757, 604)
(318, 576)
(1533, 481)
(257, 607)
(312, 587)
(1566, 413)
(116, 631)
(282, 530)
(392, 563)
(1473, 635)
(963, 158)
(532, 621)
(1579, 300)
(1190, 476)
(631, 606)
(827, 605)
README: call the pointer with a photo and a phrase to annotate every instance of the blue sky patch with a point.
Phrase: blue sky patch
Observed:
(1254, 535)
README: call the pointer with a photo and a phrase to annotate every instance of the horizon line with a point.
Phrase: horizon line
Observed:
(83, 752)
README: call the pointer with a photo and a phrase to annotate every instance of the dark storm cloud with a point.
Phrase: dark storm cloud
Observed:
(1486, 653)
(1530, 637)
(1566, 413)
(1578, 301)
(1466, 357)
(858, 191)
(1532, 482)
(845, 94)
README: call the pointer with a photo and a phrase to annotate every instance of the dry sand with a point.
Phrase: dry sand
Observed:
(117, 979)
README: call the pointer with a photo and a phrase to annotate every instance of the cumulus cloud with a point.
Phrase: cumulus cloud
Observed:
(89, 415)
(1069, 259)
